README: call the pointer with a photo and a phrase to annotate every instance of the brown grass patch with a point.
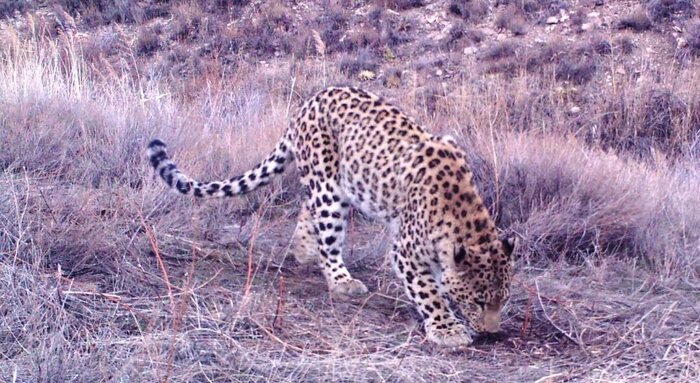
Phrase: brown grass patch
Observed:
(512, 19)
(637, 20)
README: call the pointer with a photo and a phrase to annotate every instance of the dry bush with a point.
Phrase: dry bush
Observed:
(637, 20)
(659, 10)
(352, 64)
(537, 10)
(640, 119)
(650, 118)
(512, 19)
(579, 69)
(597, 44)
(399, 5)
(468, 10)
(222, 5)
(692, 38)
(577, 19)
(624, 44)
(277, 14)
(333, 23)
(104, 43)
(577, 64)
(9, 7)
(223, 45)
(148, 41)
(567, 203)
(499, 50)
(261, 39)
(363, 38)
(181, 63)
(186, 23)
(398, 30)
(99, 12)
(156, 10)
(460, 36)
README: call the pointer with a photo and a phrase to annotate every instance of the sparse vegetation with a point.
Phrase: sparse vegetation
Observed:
(511, 18)
(624, 44)
(353, 64)
(148, 41)
(499, 50)
(400, 5)
(9, 7)
(469, 10)
(584, 144)
(659, 10)
(692, 37)
(578, 69)
(538, 10)
(460, 35)
(637, 21)
(99, 12)
(333, 25)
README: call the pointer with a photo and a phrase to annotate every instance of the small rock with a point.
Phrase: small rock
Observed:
(682, 42)
(438, 72)
(563, 15)
(552, 20)
(586, 26)
(575, 109)
(620, 70)
(470, 51)
(593, 15)
(598, 3)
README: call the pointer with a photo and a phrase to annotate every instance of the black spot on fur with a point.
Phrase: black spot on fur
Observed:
(460, 255)
(157, 158)
(183, 187)
(479, 225)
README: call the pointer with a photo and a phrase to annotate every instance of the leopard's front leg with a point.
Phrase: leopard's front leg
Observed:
(441, 325)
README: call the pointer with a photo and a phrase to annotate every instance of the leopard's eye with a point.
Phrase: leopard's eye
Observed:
(482, 304)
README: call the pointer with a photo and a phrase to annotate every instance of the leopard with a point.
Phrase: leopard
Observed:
(354, 149)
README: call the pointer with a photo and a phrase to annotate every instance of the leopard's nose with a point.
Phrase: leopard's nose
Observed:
(492, 321)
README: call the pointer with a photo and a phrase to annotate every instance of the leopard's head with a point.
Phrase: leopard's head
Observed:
(481, 282)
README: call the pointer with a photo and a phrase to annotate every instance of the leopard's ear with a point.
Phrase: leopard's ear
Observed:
(448, 138)
(460, 254)
(509, 244)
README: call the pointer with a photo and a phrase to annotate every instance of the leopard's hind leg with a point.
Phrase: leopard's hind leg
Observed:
(304, 244)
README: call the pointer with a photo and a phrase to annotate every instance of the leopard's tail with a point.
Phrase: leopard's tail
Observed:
(260, 175)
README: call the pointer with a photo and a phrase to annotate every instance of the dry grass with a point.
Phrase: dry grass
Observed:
(469, 10)
(512, 19)
(637, 20)
(106, 276)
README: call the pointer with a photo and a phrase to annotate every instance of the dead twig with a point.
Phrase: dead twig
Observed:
(277, 321)
(549, 319)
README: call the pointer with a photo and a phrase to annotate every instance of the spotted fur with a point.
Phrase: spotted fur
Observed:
(352, 148)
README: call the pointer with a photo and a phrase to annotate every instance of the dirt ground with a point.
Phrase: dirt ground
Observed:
(603, 320)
